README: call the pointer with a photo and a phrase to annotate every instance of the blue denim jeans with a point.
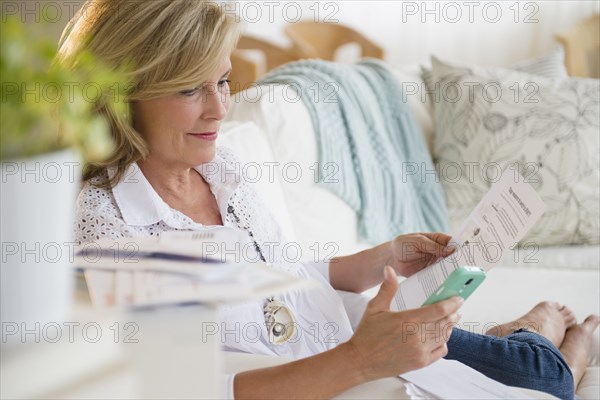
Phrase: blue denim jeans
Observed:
(523, 358)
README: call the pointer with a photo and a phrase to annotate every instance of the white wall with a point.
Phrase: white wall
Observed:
(396, 25)
(460, 31)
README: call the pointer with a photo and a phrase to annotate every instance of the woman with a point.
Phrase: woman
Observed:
(156, 181)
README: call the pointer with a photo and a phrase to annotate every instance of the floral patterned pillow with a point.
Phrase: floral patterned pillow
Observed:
(490, 119)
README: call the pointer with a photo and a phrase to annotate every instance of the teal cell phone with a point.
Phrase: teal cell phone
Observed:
(461, 282)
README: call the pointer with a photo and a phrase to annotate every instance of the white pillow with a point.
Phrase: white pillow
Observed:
(551, 66)
(496, 118)
(251, 147)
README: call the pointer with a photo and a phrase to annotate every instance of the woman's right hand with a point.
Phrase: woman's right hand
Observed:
(385, 344)
(388, 343)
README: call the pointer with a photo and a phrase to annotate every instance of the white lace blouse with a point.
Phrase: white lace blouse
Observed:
(133, 209)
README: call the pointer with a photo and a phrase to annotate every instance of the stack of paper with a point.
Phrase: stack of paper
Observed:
(177, 268)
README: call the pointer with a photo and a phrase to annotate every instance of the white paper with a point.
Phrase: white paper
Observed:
(127, 254)
(256, 282)
(416, 393)
(449, 379)
(220, 242)
(198, 271)
(101, 287)
(502, 218)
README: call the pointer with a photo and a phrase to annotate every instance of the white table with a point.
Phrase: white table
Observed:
(152, 353)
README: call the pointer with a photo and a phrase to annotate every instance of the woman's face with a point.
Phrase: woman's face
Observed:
(181, 129)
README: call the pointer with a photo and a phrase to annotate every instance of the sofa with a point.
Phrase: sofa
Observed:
(270, 130)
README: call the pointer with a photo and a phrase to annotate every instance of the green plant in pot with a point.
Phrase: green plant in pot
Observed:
(49, 126)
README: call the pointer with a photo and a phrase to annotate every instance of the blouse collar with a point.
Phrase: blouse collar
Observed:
(140, 205)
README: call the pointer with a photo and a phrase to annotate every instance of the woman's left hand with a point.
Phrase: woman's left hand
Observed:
(413, 252)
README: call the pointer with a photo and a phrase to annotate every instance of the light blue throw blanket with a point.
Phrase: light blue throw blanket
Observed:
(381, 164)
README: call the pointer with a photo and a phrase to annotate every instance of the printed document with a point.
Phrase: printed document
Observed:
(449, 379)
(502, 218)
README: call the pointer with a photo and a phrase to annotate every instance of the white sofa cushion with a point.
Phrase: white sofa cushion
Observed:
(554, 257)
(588, 387)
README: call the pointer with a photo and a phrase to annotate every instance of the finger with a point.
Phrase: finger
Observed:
(451, 318)
(439, 310)
(443, 328)
(386, 293)
(441, 239)
(438, 237)
(430, 246)
(438, 352)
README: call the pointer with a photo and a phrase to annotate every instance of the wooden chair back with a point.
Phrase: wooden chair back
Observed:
(246, 70)
(582, 48)
(321, 40)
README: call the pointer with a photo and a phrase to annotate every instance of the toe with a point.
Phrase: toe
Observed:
(566, 311)
(549, 304)
(591, 322)
(570, 321)
(569, 316)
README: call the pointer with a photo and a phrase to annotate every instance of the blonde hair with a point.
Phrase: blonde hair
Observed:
(165, 46)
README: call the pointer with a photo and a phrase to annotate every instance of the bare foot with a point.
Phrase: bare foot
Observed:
(549, 319)
(576, 346)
